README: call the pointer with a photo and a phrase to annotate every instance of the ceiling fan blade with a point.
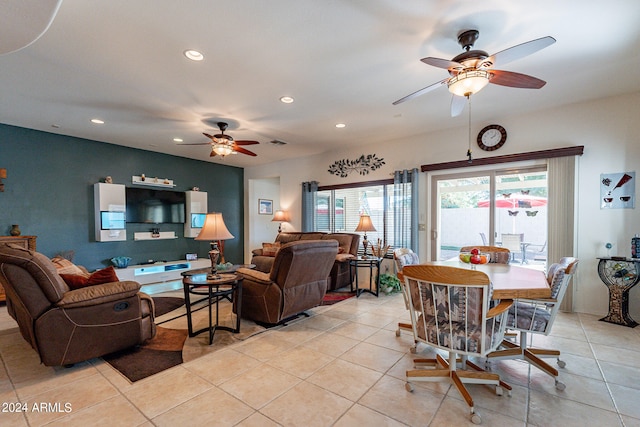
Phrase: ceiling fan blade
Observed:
(246, 142)
(520, 51)
(207, 135)
(196, 143)
(457, 105)
(421, 91)
(442, 63)
(244, 151)
(511, 79)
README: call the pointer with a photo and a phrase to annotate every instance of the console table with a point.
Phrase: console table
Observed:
(28, 242)
(619, 275)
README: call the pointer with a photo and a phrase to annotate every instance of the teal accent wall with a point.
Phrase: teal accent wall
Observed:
(49, 193)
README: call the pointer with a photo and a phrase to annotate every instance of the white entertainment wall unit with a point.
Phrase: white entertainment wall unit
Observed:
(110, 226)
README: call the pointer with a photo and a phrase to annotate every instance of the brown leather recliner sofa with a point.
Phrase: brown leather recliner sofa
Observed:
(296, 282)
(69, 326)
(347, 248)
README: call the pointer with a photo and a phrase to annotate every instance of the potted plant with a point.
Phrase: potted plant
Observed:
(389, 284)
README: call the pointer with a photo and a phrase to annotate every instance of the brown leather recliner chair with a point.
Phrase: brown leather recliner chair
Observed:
(69, 326)
(297, 281)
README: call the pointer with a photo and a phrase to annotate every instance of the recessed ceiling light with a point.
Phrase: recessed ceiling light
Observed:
(340, 125)
(97, 121)
(177, 139)
(193, 55)
(286, 99)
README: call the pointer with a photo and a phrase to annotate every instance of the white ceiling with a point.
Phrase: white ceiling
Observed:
(342, 60)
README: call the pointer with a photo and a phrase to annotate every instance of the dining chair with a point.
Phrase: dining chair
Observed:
(536, 316)
(403, 257)
(513, 242)
(484, 239)
(449, 309)
(497, 254)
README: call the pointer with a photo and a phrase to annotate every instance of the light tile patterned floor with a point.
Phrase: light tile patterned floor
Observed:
(342, 366)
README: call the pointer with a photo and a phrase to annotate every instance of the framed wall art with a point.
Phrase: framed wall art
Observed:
(618, 190)
(265, 207)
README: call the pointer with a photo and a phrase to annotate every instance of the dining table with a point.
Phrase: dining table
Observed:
(509, 281)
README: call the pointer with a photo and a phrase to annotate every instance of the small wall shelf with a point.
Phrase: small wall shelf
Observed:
(152, 181)
(149, 236)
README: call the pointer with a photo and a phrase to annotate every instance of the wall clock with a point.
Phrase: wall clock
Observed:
(492, 137)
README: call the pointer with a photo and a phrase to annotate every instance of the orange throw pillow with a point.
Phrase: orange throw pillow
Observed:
(270, 249)
(76, 281)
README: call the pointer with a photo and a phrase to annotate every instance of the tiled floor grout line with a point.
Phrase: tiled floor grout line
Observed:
(604, 378)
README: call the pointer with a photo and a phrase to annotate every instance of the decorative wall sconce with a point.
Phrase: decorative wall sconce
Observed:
(3, 174)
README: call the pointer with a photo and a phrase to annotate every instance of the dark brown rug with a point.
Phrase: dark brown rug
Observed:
(159, 353)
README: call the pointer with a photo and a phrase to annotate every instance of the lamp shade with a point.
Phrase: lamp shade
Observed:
(365, 224)
(281, 216)
(214, 228)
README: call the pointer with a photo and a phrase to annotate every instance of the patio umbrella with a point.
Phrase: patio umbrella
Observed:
(516, 201)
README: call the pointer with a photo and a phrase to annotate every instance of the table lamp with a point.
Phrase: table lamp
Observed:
(365, 225)
(282, 216)
(215, 231)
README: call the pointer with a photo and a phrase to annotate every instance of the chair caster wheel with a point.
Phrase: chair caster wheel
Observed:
(476, 419)
(413, 349)
(499, 391)
(397, 332)
(562, 363)
(560, 386)
(409, 387)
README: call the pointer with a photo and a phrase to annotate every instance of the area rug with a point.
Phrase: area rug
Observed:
(171, 346)
(333, 297)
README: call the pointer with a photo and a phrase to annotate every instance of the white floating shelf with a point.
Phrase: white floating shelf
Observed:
(150, 236)
(152, 181)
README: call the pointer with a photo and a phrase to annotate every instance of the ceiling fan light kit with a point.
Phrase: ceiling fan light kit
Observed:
(468, 82)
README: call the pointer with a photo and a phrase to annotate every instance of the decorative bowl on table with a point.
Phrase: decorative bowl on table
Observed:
(121, 261)
(474, 257)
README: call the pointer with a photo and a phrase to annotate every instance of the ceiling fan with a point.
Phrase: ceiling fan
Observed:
(472, 70)
(223, 144)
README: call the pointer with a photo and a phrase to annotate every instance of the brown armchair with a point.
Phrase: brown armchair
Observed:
(297, 281)
(69, 326)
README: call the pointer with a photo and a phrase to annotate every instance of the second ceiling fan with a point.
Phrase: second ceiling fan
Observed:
(473, 69)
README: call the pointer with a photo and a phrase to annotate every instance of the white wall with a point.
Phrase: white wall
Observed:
(608, 128)
(261, 228)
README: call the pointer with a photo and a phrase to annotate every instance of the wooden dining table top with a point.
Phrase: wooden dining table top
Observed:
(509, 281)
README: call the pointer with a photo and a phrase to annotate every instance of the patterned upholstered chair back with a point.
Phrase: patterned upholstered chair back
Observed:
(537, 316)
(449, 307)
(405, 256)
(498, 255)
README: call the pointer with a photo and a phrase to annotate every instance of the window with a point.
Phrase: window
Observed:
(339, 209)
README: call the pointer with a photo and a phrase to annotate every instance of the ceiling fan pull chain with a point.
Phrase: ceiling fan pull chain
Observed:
(469, 148)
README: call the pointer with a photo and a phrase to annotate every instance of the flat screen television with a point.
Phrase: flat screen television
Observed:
(110, 220)
(149, 206)
(197, 220)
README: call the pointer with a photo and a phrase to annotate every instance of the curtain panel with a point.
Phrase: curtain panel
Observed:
(405, 209)
(309, 191)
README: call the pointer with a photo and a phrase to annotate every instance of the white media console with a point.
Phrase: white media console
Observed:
(160, 276)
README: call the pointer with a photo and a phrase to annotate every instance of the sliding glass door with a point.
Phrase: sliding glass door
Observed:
(497, 207)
